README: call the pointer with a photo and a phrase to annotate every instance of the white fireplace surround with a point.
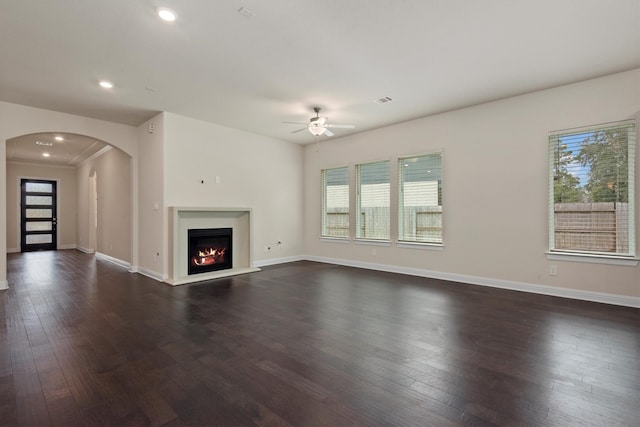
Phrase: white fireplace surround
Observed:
(183, 219)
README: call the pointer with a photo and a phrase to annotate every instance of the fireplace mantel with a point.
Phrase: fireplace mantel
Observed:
(181, 219)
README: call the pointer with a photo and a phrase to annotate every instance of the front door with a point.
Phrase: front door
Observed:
(38, 215)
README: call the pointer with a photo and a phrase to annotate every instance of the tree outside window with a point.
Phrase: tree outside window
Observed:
(592, 198)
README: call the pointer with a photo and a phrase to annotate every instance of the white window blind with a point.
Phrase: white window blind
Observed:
(372, 200)
(591, 190)
(335, 202)
(420, 199)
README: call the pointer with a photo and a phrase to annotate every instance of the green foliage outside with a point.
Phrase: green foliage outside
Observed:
(566, 187)
(604, 154)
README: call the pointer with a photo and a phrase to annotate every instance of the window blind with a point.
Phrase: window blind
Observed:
(420, 199)
(372, 200)
(335, 202)
(591, 189)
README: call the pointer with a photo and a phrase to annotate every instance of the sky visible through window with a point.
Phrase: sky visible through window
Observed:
(591, 166)
(573, 144)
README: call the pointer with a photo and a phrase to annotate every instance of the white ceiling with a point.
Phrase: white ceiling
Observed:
(254, 72)
(70, 151)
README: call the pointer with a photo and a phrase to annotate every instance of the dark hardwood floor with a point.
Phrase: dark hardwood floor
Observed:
(84, 342)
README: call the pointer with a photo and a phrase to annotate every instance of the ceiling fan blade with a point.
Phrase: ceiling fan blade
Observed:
(331, 125)
(295, 123)
(299, 130)
(328, 132)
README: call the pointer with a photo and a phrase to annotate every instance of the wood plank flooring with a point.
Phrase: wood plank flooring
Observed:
(84, 342)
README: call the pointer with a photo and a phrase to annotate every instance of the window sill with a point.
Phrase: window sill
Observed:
(334, 239)
(592, 258)
(420, 245)
(372, 242)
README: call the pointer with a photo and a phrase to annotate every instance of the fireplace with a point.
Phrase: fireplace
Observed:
(186, 218)
(209, 250)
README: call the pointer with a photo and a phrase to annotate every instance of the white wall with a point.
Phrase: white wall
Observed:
(494, 183)
(66, 201)
(113, 234)
(495, 186)
(83, 197)
(254, 172)
(153, 228)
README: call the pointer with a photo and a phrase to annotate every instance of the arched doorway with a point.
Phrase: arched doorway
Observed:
(18, 120)
(95, 190)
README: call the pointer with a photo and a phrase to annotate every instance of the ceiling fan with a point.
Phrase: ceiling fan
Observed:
(319, 125)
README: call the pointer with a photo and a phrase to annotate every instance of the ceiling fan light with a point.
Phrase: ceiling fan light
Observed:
(317, 130)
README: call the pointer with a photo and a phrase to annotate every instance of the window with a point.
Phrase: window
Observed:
(591, 190)
(420, 199)
(335, 202)
(372, 200)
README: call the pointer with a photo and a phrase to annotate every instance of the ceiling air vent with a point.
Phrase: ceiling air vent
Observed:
(246, 12)
(383, 100)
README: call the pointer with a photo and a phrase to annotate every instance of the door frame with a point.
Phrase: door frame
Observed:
(19, 207)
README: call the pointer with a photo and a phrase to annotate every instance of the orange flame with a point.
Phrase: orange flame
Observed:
(208, 256)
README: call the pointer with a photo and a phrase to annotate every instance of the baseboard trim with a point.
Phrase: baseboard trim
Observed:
(113, 260)
(152, 274)
(61, 247)
(601, 297)
(4, 285)
(275, 261)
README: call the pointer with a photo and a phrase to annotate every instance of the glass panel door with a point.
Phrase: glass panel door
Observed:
(38, 215)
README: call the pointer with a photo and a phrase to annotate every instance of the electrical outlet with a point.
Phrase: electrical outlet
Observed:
(553, 270)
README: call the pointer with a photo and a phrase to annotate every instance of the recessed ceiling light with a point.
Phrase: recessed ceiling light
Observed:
(46, 154)
(166, 14)
(106, 84)
(58, 138)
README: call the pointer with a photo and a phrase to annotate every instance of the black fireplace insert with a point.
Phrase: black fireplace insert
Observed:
(209, 249)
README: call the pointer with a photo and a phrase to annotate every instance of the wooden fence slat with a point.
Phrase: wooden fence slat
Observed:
(601, 227)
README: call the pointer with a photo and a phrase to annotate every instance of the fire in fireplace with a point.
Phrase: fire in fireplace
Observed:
(209, 249)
